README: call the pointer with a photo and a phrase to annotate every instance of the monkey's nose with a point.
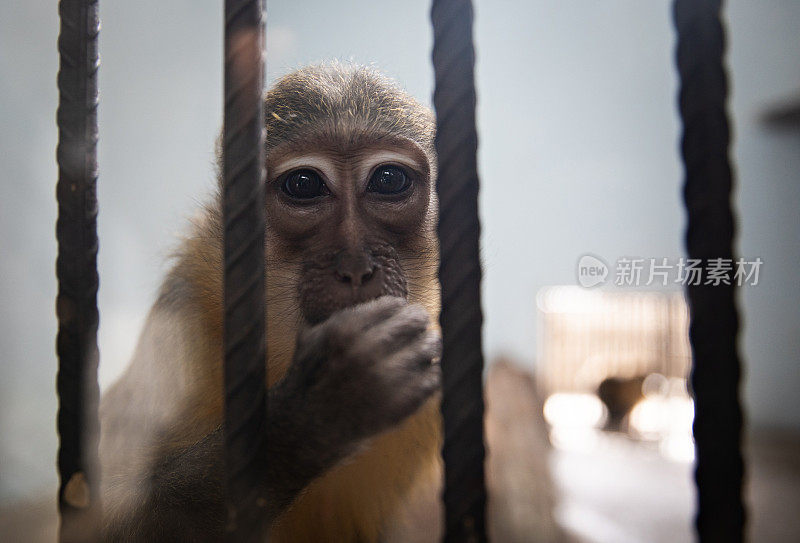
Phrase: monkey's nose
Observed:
(354, 269)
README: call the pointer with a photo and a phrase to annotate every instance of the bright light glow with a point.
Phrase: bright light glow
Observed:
(667, 419)
(574, 420)
(649, 417)
(678, 447)
(574, 410)
(655, 384)
(659, 415)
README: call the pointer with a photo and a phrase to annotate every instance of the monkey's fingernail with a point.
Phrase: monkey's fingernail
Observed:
(435, 360)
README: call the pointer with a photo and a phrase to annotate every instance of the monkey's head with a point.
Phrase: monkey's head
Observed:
(350, 200)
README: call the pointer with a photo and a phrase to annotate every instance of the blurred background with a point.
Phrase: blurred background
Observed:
(578, 155)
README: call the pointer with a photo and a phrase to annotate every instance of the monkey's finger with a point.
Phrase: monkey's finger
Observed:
(408, 395)
(425, 385)
(419, 356)
(395, 333)
(351, 322)
(375, 311)
(431, 348)
(432, 380)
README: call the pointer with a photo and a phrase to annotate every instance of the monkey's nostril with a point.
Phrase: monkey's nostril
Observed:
(344, 277)
(355, 278)
(354, 269)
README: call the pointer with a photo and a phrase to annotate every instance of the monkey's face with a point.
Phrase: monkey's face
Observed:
(347, 223)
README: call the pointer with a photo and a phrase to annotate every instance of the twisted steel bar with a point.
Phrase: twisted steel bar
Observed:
(459, 271)
(76, 270)
(710, 231)
(243, 164)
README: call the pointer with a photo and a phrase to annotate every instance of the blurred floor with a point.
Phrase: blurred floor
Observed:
(774, 486)
(624, 492)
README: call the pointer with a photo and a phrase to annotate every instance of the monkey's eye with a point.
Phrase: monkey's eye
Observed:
(389, 180)
(304, 185)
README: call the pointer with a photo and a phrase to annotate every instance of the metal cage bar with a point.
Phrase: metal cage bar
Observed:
(714, 320)
(243, 169)
(76, 269)
(459, 271)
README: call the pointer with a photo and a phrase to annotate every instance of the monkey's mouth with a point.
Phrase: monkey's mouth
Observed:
(317, 304)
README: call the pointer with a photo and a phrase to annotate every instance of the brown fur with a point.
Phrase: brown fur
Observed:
(173, 386)
(344, 105)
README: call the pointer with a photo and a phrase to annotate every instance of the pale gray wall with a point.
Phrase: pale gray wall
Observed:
(578, 154)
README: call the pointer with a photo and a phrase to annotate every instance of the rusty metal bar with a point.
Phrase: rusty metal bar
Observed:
(714, 323)
(459, 272)
(243, 168)
(243, 164)
(76, 269)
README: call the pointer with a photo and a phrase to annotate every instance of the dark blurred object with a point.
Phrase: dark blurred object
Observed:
(783, 115)
(619, 396)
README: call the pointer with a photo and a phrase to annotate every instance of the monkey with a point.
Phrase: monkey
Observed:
(352, 302)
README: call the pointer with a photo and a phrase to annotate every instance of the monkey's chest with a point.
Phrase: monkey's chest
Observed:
(355, 501)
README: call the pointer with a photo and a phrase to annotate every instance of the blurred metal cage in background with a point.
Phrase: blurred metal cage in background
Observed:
(714, 319)
(587, 336)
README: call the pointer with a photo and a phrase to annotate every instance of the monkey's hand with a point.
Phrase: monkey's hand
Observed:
(362, 371)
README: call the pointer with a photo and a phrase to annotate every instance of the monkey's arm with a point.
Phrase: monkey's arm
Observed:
(186, 500)
(358, 373)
